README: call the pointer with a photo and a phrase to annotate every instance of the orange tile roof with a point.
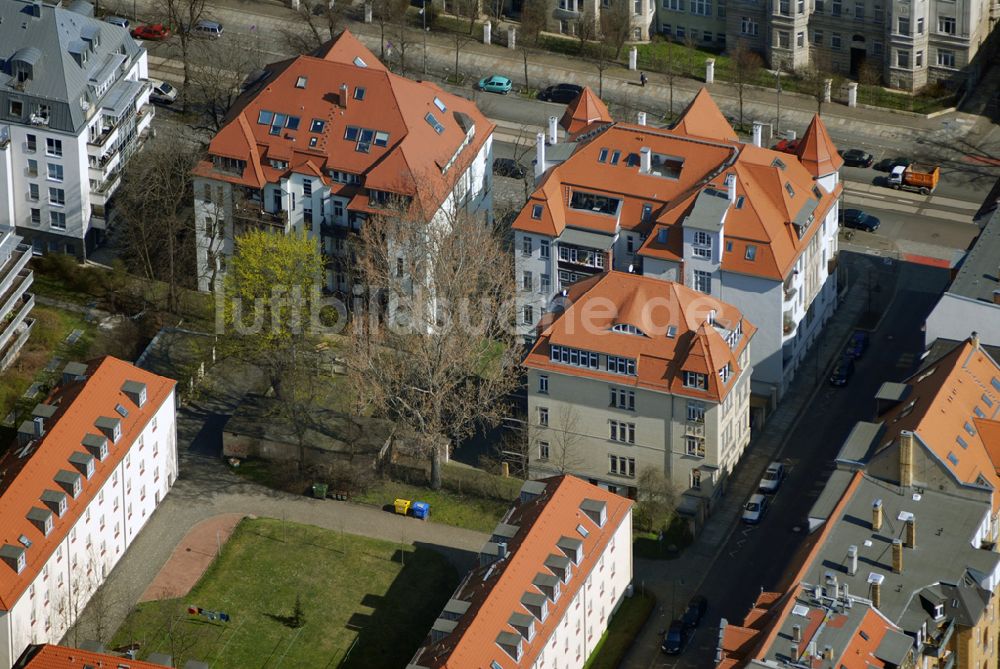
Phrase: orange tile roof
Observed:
(776, 188)
(942, 401)
(817, 151)
(494, 592)
(48, 656)
(597, 304)
(584, 113)
(24, 479)
(309, 88)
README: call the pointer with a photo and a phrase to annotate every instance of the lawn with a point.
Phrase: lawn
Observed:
(364, 602)
(621, 632)
(451, 508)
(648, 544)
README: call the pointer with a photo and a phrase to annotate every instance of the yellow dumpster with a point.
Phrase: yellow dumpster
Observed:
(402, 506)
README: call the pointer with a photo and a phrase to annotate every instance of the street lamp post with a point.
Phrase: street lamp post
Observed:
(777, 88)
(423, 15)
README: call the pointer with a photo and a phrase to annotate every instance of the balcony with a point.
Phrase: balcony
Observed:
(788, 324)
(8, 299)
(9, 352)
(108, 132)
(10, 325)
(831, 264)
(694, 429)
(13, 267)
(250, 213)
(790, 292)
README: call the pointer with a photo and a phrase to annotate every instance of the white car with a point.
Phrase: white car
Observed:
(163, 92)
(772, 478)
(754, 509)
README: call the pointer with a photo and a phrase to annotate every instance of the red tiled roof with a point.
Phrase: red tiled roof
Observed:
(78, 405)
(48, 656)
(651, 305)
(495, 591)
(817, 151)
(703, 118)
(586, 111)
(309, 88)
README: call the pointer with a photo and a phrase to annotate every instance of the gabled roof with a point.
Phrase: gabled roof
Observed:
(28, 472)
(342, 110)
(49, 656)
(584, 112)
(675, 335)
(817, 151)
(703, 118)
(494, 597)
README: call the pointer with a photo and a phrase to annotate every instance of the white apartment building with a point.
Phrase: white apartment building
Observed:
(636, 373)
(323, 142)
(553, 573)
(74, 107)
(692, 204)
(83, 479)
(15, 300)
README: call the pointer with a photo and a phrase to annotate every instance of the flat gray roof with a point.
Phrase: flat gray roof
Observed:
(979, 274)
(859, 443)
(892, 392)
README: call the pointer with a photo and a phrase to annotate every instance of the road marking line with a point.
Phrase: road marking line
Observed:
(952, 202)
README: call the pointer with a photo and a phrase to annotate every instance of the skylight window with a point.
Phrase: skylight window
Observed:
(536, 211)
(788, 187)
(359, 93)
(292, 123)
(615, 157)
(996, 384)
(122, 411)
(301, 82)
(628, 328)
(952, 459)
(978, 412)
(381, 138)
(969, 429)
(264, 117)
(312, 142)
(819, 196)
(359, 62)
(739, 201)
(440, 105)
(351, 134)
(434, 123)
(584, 532)
(671, 331)
(317, 125)
(961, 441)
(602, 157)
(777, 162)
(986, 400)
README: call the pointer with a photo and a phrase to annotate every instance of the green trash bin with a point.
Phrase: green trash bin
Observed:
(319, 490)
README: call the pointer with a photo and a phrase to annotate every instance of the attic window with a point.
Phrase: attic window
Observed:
(440, 105)
(647, 212)
(661, 235)
(359, 62)
(434, 123)
(952, 459)
(819, 196)
(536, 212)
(788, 187)
(968, 428)
(602, 157)
(122, 411)
(751, 254)
(359, 93)
(739, 201)
(961, 441)
(615, 157)
(301, 82)
(381, 138)
(265, 117)
(671, 331)
(313, 141)
(317, 125)
(986, 400)
(584, 532)
(777, 162)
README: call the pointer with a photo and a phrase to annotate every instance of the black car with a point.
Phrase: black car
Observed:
(859, 220)
(857, 345)
(887, 164)
(508, 167)
(695, 612)
(842, 372)
(562, 93)
(857, 158)
(673, 640)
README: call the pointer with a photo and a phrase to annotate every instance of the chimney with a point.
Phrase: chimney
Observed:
(905, 458)
(877, 515)
(645, 160)
(827, 652)
(796, 633)
(39, 425)
(641, 118)
(911, 532)
(876, 590)
(996, 297)
(844, 591)
(553, 130)
(539, 154)
(794, 652)
(758, 130)
(897, 556)
(974, 338)
(343, 96)
(731, 187)
(852, 560)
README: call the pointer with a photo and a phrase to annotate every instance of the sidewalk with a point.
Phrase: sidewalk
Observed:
(695, 563)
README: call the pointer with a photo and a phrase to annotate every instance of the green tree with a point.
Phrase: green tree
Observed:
(657, 501)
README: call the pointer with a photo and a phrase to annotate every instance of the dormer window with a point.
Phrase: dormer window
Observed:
(536, 212)
(789, 189)
(938, 611)
(695, 380)
(661, 235)
(725, 373)
(301, 82)
(602, 156)
(647, 212)
(13, 556)
(359, 93)
(628, 328)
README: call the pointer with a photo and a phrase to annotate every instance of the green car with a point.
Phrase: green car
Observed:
(495, 84)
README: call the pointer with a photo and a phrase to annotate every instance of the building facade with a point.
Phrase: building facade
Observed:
(85, 476)
(692, 205)
(15, 300)
(74, 107)
(555, 570)
(676, 367)
(568, 16)
(323, 142)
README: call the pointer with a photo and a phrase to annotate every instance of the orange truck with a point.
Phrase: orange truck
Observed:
(916, 177)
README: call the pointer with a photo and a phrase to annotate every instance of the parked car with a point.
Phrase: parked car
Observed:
(754, 509)
(495, 84)
(888, 164)
(673, 640)
(787, 145)
(117, 21)
(561, 93)
(163, 93)
(772, 478)
(842, 372)
(859, 220)
(857, 345)
(208, 28)
(508, 167)
(857, 158)
(153, 31)
(695, 612)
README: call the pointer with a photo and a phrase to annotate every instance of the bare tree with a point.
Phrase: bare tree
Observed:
(386, 13)
(746, 66)
(815, 77)
(155, 198)
(321, 20)
(437, 351)
(616, 24)
(602, 61)
(525, 52)
(534, 19)
(470, 9)
(691, 54)
(564, 441)
(870, 78)
(184, 14)
(173, 622)
(586, 29)
(401, 36)
(459, 40)
(657, 500)
(218, 81)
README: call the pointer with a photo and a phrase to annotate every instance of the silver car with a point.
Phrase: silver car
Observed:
(771, 480)
(754, 509)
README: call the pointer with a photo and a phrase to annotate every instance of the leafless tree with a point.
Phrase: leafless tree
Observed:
(869, 78)
(402, 41)
(155, 198)
(815, 77)
(534, 19)
(616, 24)
(385, 13)
(691, 54)
(318, 23)
(564, 441)
(217, 82)
(437, 350)
(602, 61)
(470, 9)
(746, 66)
(586, 30)
(657, 500)
(525, 52)
(459, 41)
(184, 14)
(173, 622)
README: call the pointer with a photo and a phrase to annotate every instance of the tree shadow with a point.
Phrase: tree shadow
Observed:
(287, 621)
